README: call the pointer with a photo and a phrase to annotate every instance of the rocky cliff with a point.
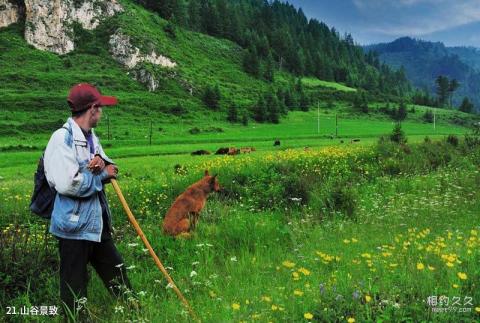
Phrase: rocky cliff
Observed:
(49, 26)
(10, 13)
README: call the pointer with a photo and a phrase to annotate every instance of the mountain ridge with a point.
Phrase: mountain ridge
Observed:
(424, 61)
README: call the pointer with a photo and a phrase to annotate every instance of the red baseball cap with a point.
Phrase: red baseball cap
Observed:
(82, 96)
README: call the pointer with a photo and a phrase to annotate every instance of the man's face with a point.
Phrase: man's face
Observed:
(95, 115)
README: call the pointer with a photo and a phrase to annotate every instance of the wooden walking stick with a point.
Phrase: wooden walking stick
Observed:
(159, 264)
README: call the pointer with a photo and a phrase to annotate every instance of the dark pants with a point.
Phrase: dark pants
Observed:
(104, 257)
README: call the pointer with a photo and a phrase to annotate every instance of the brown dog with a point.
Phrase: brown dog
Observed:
(183, 215)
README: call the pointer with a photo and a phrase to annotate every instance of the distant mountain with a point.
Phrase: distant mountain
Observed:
(424, 61)
(469, 55)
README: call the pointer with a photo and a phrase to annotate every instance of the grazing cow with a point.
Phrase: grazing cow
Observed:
(182, 217)
(222, 151)
(354, 140)
(233, 151)
(341, 141)
(276, 143)
(247, 150)
(200, 152)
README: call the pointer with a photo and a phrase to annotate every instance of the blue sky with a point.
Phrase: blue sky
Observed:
(454, 22)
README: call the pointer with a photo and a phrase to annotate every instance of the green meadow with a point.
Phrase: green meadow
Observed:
(336, 224)
(367, 231)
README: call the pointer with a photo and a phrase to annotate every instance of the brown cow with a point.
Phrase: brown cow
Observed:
(222, 151)
(182, 216)
(247, 150)
(233, 151)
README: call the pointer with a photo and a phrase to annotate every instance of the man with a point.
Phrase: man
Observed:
(77, 168)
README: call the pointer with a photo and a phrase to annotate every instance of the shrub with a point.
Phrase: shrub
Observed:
(194, 131)
(452, 140)
(428, 116)
(398, 135)
(211, 97)
(343, 199)
(178, 110)
(170, 30)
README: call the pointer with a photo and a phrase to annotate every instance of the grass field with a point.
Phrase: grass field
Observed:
(281, 245)
(314, 82)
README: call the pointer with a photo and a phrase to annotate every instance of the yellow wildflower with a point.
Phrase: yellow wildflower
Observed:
(346, 241)
(455, 286)
(368, 298)
(351, 320)
(420, 266)
(235, 306)
(309, 316)
(274, 307)
(297, 292)
(462, 276)
(304, 271)
(477, 309)
(288, 264)
(266, 299)
(431, 268)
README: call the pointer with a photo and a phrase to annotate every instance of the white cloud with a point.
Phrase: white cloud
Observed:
(416, 17)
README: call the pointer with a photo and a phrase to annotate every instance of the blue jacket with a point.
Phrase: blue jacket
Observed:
(77, 213)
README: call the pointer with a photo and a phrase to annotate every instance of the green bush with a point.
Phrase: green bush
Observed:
(343, 199)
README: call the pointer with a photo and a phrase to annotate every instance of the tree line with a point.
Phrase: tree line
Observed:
(444, 88)
(277, 36)
(269, 106)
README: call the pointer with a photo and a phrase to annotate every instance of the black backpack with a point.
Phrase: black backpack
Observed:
(43, 196)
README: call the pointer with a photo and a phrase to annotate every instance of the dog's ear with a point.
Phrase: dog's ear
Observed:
(206, 172)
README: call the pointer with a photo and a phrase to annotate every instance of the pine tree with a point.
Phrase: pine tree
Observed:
(443, 88)
(357, 102)
(304, 102)
(211, 97)
(232, 114)
(259, 110)
(245, 119)
(269, 68)
(452, 87)
(398, 135)
(401, 112)
(273, 114)
(251, 63)
(466, 106)
(194, 19)
(289, 99)
(364, 103)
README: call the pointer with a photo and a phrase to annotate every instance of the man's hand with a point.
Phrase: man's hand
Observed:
(112, 171)
(96, 165)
